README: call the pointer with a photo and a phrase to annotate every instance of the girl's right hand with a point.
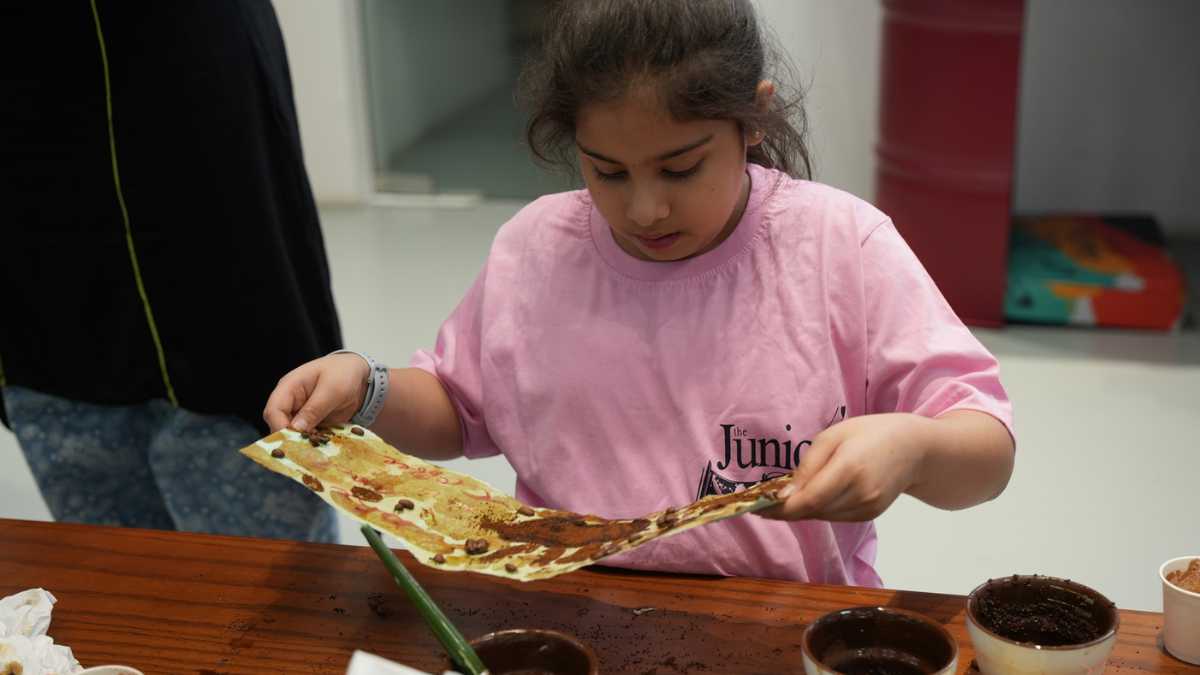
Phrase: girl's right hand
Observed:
(328, 390)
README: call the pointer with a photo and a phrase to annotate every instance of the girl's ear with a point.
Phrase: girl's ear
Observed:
(762, 100)
(763, 95)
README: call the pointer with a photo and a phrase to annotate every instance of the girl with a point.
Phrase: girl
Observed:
(697, 320)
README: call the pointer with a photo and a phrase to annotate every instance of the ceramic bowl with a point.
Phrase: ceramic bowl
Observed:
(1013, 628)
(878, 639)
(535, 650)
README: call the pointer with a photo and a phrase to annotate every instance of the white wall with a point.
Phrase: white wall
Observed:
(1110, 98)
(429, 60)
(324, 51)
(1109, 114)
(1110, 109)
(834, 46)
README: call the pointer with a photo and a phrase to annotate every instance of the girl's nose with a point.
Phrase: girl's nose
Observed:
(647, 207)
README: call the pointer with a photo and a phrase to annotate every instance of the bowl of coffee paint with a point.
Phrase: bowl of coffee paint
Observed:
(534, 651)
(878, 641)
(1039, 624)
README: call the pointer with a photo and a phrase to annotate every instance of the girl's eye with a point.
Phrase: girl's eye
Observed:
(616, 175)
(680, 175)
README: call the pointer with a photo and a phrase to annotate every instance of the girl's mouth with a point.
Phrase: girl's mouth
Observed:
(659, 242)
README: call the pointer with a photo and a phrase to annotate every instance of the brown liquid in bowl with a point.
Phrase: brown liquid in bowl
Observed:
(533, 652)
(876, 641)
(880, 662)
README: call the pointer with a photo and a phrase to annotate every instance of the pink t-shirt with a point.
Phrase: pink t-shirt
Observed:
(618, 386)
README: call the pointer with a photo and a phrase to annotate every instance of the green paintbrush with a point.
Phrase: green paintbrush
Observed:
(454, 642)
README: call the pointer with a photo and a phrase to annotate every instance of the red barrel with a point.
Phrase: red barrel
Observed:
(947, 132)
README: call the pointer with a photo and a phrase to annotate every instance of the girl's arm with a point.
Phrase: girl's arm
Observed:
(968, 460)
(855, 470)
(419, 417)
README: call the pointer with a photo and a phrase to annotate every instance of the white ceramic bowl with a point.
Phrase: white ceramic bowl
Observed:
(110, 670)
(998, 655)
(837, 639)
(1181, 614)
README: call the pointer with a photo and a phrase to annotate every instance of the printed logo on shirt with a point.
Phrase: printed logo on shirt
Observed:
(745, 451)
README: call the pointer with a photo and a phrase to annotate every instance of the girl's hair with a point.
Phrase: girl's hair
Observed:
(706, 56)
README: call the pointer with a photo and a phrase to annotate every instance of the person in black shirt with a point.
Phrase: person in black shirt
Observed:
(163, 264)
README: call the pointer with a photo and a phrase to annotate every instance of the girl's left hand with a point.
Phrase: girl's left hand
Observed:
(855, 469)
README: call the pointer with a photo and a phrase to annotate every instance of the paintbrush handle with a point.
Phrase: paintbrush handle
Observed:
(454, 642)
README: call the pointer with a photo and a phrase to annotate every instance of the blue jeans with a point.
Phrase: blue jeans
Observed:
(156, 466)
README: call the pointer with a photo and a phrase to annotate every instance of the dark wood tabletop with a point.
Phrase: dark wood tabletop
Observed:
(169, 602)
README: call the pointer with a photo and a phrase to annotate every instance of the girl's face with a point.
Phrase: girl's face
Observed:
(669, 189)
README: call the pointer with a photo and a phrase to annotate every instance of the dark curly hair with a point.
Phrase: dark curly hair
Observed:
(706, 56)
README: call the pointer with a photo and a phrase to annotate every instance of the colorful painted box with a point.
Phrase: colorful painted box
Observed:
(1093, 270)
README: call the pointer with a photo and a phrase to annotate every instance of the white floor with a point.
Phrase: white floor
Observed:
(1107, 484)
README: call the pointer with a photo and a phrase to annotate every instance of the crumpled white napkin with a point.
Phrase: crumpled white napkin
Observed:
(24, 620)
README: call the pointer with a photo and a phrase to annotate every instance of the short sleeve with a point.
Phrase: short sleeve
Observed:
(921, 358)
(456, 362)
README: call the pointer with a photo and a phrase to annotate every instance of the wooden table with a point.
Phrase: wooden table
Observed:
(169, 602)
